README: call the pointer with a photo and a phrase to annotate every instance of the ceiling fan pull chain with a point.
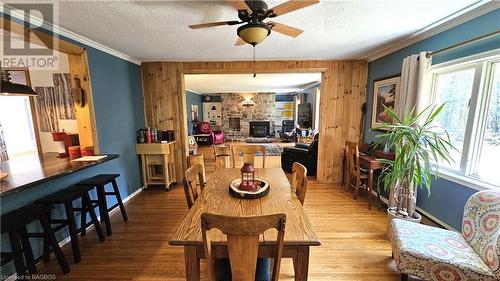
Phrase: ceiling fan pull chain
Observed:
(254, 67)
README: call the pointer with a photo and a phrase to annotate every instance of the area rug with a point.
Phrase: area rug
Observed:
(271, 150)
(259, 140)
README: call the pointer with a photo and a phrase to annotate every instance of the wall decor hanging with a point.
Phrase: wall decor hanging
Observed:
(64, 99)
(46, 103)
(385, 93)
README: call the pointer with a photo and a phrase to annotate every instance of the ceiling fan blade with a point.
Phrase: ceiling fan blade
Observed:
(284, 29)
(239, 5)
(210, 24)
(291, 6)
(239, 42)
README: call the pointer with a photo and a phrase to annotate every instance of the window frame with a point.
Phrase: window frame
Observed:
(475, 128)
(32, 102)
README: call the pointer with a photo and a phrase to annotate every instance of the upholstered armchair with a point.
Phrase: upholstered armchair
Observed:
(436, 254)
(287, 133)
(306, 155)
(217, 136)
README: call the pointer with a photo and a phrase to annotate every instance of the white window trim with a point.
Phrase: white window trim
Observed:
(483, 66)
(468, 181)
(464, 61)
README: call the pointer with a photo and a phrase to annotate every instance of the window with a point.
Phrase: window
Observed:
(455, 89)
(471, 90)
(487, 166)
(16, 121)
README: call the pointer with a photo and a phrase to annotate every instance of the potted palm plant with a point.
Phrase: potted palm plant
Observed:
(419, 145)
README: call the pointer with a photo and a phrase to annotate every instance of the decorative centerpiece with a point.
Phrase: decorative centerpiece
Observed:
(247, 178)
(247, 186)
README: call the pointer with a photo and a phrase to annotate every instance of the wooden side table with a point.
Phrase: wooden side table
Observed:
(158, 164)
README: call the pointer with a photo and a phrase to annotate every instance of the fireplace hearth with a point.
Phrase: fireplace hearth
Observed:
(260, 129)
(234, 123)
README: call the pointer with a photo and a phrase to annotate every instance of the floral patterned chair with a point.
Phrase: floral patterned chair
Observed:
(436, 254)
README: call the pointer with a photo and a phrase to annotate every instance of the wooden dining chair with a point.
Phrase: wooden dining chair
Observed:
(192, 179)
(243, 242)
(356, 175)
(221, 149)
(197, 159)
(248, 152)
(299, 181)
(223, 157)
(223, 161)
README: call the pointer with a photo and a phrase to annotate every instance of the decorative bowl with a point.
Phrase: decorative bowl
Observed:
(263, 189)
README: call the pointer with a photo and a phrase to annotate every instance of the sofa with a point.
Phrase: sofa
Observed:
(216, 136)
(306, 155)
(433, 253)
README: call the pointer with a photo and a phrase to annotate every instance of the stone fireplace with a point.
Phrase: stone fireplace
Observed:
(233, 112)
(260, 129)
(234, 123)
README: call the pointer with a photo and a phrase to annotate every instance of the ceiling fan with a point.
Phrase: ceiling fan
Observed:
(252, 14)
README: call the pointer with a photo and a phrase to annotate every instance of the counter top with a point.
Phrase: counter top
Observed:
(28, 172)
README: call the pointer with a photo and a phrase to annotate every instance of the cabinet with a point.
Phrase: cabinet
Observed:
(212, 113)
(158, 165)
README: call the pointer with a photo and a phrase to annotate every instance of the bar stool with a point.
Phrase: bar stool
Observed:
(66, 197)
(14, 223)
(99, 182)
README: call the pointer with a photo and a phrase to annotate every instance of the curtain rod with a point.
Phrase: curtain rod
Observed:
(452, 47)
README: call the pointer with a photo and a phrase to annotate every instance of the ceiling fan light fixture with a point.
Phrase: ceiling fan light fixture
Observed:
(13, 89)
(254, 33)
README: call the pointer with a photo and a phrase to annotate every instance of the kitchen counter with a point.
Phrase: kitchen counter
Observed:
(27, 172)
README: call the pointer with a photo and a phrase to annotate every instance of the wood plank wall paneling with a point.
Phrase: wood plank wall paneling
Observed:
(343, 91)
(87, 134)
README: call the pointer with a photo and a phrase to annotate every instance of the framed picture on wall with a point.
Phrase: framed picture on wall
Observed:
(385, 92)
(194, 112)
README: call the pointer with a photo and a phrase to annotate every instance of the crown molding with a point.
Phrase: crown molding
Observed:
(194, 92)
(74, 36)
(468, 13)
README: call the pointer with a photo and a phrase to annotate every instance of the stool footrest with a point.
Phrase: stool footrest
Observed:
(36, 235)
(59, 227)
(6, 257)
(110, 193)
(113, 207)
(58, 221)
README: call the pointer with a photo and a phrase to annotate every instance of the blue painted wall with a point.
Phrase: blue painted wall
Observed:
(283, 98)
(116, 90)
(448, 198)
(192, 98)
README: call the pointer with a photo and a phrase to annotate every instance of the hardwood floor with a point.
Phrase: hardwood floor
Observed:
(353, 240)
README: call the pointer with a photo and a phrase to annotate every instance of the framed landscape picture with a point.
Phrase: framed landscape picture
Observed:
(385, 92)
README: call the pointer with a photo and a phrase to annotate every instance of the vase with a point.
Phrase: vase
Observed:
(392, 214)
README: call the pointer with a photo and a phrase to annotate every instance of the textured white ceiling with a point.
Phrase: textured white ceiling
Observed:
(158, 30)
(246, 83)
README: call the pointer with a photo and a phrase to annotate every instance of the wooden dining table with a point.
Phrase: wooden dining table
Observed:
(215, 198)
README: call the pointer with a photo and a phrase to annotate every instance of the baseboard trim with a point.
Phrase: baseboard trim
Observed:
(425, 214)
(66, 240)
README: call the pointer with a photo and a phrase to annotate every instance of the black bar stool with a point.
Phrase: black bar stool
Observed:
(66, 197)
(14, 223)
(99, 182)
